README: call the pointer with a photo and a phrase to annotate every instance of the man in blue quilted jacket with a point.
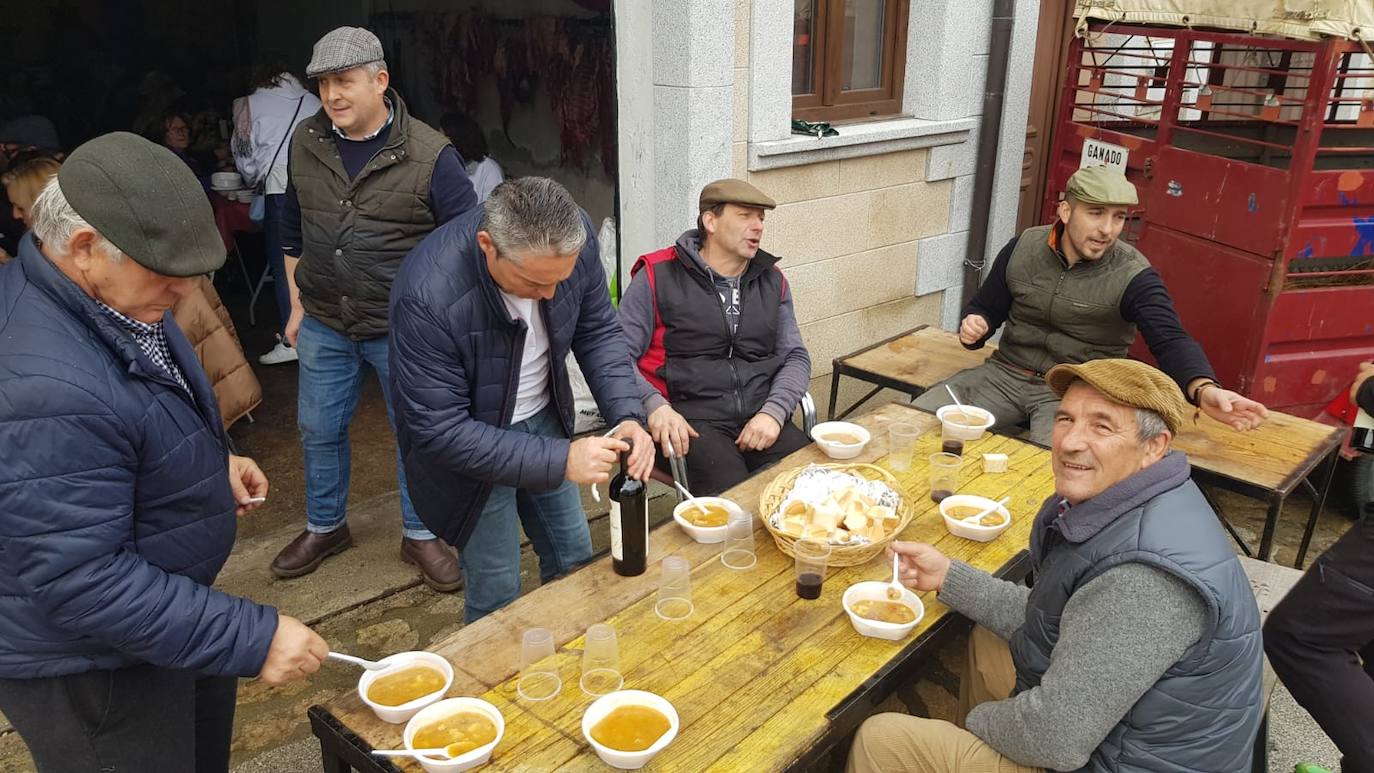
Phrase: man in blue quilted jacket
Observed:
(118, 497)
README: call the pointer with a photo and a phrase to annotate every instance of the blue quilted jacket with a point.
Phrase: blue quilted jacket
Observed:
(115, 507)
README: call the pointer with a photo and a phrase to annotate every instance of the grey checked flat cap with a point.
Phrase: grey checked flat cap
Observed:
(343, 49)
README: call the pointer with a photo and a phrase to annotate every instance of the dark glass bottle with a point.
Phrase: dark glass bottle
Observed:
(629, 521)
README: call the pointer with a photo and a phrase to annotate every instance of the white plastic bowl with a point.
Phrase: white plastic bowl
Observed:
(971, 530)
(611, 701)
(836, 450)
(398, 714)
(707, 535)
(877, 591)
(226, 181)
(983, 420)
(449, 707)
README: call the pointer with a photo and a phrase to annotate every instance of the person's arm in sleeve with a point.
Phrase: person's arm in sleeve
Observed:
(992, 302)
(1147, 305)
(67, 533)
(636, 316)
(789, 385)
(450, 190)
(995, 604)
(599, 343)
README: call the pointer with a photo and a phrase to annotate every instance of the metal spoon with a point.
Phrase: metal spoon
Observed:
(370, 665)
(974, 518)
(894, 589)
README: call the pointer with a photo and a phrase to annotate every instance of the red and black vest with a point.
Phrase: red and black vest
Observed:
(707, 372)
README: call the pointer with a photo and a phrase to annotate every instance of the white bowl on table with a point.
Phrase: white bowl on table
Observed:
(226, 181)
(706, 535)
(612, 701)
(402, 713)
(874, 590)
(981, 420)
(971, 529)
(822, 432)
(445, 708)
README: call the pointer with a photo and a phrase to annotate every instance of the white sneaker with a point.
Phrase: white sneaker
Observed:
(281, 353)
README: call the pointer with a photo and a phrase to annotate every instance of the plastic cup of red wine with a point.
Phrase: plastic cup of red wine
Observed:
(811, 558)
(944, 475)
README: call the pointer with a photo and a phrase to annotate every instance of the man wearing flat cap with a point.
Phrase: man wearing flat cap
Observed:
(1139, 646)
(1072, 292)
(118, 495)
(367, 182)
(710, 323)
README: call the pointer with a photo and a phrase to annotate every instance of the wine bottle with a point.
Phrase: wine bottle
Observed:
(629, 521)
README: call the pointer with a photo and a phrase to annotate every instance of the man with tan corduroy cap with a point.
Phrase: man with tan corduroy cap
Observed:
(1138, 648)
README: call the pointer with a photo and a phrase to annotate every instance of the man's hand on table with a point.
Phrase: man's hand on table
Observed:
(760, 433)
(972, 329)
(642, 454)
(247, 481)
(922, 566)
(295, 652)
(669, 428)
(1366, 370)
(1230, 408)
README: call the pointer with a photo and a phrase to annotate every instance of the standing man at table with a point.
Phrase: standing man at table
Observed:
(1073, 292)
(367, 182)
(1139, 646)
(483, 315)
(721, 362)
(118, 495)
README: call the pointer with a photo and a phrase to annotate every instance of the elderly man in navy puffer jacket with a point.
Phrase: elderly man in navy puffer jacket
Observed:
(118, 497)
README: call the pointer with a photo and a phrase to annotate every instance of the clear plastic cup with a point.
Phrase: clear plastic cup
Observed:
(901, 445)
(737, 551)
(539, 679)
(675, 589)
(944, 475)
(601, 661)
(812, 556)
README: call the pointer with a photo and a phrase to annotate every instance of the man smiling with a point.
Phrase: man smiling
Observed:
(1139, 646)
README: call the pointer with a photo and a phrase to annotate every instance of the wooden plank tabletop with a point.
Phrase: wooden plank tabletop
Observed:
(1275, 457)
(754, 670)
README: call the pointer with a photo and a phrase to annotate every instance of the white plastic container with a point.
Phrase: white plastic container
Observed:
(981, 421)
(225, 181)
(706, 535)
(446, 708)
(972, 530)
(877, 591)
(820, 433)
(398, 714)
(611, 701)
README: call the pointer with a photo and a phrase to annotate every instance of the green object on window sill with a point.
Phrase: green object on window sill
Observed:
(817, 129)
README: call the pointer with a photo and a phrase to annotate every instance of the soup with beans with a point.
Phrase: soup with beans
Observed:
(630, 728)
(405, 685)
(885, 611)
(460, 733)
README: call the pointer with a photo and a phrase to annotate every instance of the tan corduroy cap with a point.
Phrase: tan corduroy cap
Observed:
(1101, 185)
(1127, 382)
(732, 191)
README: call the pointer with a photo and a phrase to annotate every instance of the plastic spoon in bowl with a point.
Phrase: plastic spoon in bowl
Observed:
(695, 502)
(447, 752)
(370, 665)
(956, 400)
(894, 589)
(975, 518)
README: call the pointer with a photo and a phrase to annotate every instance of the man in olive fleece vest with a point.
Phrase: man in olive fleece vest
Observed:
(367, 183)
(1073, 292)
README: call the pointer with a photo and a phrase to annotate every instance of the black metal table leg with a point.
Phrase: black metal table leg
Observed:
(1319, 503)
(834, 390)
(1235, 535)
(1271, 522)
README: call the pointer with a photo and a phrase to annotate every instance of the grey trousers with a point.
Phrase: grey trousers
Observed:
(1015, 399)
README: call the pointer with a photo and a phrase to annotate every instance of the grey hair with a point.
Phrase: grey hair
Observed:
(55, 221)
(1148, 425)
(375, 67)
(533, 214)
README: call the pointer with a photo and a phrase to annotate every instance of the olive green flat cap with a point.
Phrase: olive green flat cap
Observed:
(1128, 382)
(732, 191)
(146, 201)
(1101, 185)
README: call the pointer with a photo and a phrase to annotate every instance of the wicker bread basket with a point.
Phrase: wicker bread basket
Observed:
(840, 555)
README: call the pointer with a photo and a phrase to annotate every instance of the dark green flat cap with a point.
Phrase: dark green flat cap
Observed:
(732, 191)
(146, 201)
(1101, 185)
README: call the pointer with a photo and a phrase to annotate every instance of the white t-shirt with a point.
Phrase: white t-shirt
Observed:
(533, 393)
(485, 175)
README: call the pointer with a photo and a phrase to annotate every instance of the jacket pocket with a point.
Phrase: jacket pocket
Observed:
(91, 694)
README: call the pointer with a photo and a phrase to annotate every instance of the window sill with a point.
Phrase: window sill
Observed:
(859, 139)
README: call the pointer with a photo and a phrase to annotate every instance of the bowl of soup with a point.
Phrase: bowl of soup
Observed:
(704, 518)
(985, 529)
(411, 681)
(967, 423)
(469, 727)
(873, 614)
(628, 727)
(840, 439)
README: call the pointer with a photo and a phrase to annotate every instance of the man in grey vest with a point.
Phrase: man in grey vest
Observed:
(1138, 648)
(1073, 292)
(367, 182)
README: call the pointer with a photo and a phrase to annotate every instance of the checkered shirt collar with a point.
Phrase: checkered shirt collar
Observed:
(151, 339)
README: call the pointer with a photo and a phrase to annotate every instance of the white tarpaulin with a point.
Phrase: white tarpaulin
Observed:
(1301, 19)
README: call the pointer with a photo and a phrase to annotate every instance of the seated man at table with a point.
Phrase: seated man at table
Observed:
(1139, 646)
(1072, 292)
(718, 391)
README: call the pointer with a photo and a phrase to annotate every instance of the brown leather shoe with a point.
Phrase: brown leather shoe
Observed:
(437, 561)
(308, 550)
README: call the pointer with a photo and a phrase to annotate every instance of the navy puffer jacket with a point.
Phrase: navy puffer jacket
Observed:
(455, 367)
(115, 507)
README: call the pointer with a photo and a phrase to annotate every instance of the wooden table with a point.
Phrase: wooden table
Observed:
(1267, 463)
(761, 680)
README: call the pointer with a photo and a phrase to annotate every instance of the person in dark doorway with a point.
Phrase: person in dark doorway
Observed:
(1320, 637)
(471, 143)
(721, 362)
(1072, 292)
(366, 182)
(22, 182)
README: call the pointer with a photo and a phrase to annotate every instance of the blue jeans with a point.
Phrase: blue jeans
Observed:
(331, 378)
(554, 521)
(274, 205)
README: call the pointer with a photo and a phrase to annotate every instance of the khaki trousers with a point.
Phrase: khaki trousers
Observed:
(897, 743)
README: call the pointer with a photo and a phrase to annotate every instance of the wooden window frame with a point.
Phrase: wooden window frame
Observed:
(829, 102)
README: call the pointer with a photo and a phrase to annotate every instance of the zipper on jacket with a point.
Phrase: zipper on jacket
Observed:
(730, 354)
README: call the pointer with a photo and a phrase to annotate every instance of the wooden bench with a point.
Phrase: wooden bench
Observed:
(1268, 463)
(1270, 583)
